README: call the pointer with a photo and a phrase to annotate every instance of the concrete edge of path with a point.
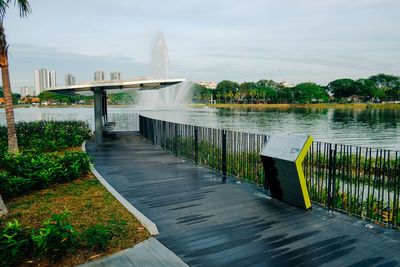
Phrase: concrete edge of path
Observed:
(146, 222)
(150, 252)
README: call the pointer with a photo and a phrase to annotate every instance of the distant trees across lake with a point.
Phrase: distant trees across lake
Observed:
(377, 88)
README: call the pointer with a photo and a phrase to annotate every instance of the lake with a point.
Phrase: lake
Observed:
(373, 127)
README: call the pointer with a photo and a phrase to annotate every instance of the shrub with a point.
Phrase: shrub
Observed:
(26, 172)
(57, 236)
(99, 235)
(45, 136)
(14, 185)
(75, 165)
(14, 243)
(54, 239)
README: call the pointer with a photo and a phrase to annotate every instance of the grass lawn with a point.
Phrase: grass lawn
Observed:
(90, 204)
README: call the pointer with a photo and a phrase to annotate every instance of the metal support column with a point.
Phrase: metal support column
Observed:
(98, 114)
(104, 111)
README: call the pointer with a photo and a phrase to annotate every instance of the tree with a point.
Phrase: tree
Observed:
(24, 9)
(15, 98)
(367, 89)
(388, 84)
(224, 87)
(246, 90)
(267, 83)
(285, 95)
(342, 88)
(309, 92)
(200, 93)
(385, 80)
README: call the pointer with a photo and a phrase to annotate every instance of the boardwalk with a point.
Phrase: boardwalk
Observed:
(209, 223)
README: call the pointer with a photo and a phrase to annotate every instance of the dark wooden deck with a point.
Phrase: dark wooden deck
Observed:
(209, 223)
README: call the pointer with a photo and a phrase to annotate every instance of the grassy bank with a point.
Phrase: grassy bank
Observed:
(287, 106)
(89, 203)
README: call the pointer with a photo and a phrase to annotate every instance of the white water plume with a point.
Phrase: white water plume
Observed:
(169, 97)
(159, 58)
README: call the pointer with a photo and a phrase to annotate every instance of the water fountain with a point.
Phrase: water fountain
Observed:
(170, 97)
(159, 58)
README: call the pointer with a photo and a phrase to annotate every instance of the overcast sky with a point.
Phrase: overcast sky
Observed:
(211, 40)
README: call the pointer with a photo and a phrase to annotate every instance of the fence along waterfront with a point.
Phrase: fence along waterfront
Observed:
(361, 181)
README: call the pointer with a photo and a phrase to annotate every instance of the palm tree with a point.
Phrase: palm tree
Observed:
(24, 9)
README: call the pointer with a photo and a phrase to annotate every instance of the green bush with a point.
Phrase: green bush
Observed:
(14, 185)
(57, 236)
(73, 166)
(43, 136)
(25, 172)
(54, 239)
(15, 241)
(99, 235)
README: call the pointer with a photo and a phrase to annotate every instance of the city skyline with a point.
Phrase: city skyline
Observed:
(209, 40)
(70, 79)
(44, 79)
(28, 91)
(99, 76)
(115, 75)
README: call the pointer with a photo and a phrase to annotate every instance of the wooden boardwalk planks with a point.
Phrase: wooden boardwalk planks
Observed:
(209, 223)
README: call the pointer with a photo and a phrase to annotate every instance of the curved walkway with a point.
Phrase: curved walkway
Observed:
(209, 223)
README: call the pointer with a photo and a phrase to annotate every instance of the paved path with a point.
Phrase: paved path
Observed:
(148, 253)
(209, 223)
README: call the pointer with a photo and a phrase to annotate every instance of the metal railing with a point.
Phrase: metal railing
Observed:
(364, 182)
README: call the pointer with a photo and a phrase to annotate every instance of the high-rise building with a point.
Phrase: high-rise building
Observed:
(52, 78)
(99, 76)
(44, 79)
(115, 75)
(69, 79)
(27, 91)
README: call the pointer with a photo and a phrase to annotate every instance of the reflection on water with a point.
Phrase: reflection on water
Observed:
(365, 127)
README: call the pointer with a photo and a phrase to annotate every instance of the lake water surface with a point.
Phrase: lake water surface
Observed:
(374, 127)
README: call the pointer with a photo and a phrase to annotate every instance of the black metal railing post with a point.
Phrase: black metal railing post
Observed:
(334, 177)
(333, 193)
(176, 139)
(196, 145)
(223, 155)
(329, 197)
(331, 178)
(140, 124)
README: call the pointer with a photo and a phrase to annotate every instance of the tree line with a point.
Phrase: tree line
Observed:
(378, 88)
(117, 99)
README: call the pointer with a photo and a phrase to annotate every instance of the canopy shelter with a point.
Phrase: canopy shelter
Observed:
(100, 90)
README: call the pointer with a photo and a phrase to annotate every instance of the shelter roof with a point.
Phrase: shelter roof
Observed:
(116, 86)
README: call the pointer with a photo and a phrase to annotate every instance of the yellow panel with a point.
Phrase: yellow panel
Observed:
(300, 172)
